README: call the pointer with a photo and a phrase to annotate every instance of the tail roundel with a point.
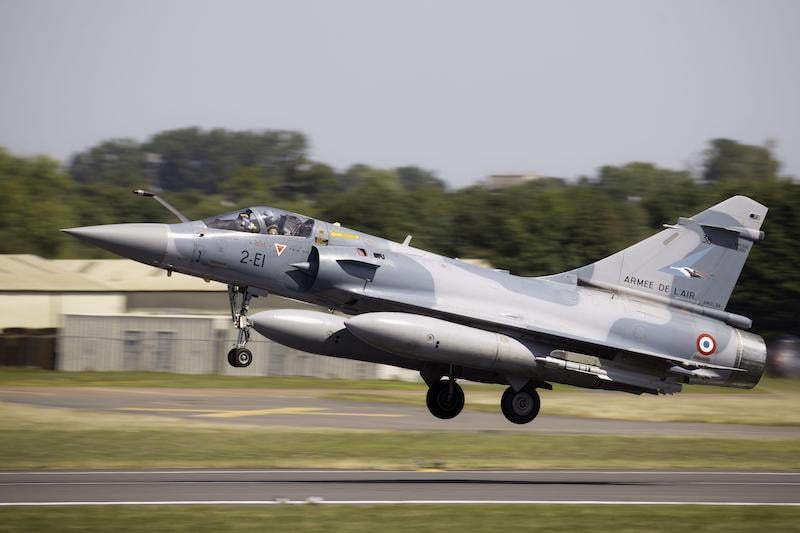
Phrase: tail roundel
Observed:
(697, 260)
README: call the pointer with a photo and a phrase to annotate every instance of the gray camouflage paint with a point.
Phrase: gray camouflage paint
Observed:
(624, 309)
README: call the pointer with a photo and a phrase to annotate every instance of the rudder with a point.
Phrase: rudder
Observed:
(697, 260)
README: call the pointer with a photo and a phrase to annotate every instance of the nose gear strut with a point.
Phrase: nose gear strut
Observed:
(239, 299)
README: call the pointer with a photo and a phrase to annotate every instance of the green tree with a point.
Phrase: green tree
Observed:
(414, 178)
(35, 202)
(664, 194)
(378, 206)
(191, 158)
(359, 175)
(726, 159)
(247, 185)
(114, 162)
(312, 180)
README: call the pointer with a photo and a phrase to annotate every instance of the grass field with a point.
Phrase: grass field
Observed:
(773, 402)
(34, 377)
(473, 518)
(36, 437)
(772, 406)
(55, 438)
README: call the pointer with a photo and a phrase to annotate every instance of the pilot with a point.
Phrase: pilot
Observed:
(271, 222)
(245, 223)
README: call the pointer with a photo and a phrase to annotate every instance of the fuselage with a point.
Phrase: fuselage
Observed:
(354, 272)
(644, 320)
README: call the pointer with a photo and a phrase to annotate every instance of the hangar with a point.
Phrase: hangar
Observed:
(117, 314)
(35, 293)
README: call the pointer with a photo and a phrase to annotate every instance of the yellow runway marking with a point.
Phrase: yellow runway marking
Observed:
(159, 392)
(379, 415)
(169, 410)
(34, 393)
(261, 412)
(220, 413)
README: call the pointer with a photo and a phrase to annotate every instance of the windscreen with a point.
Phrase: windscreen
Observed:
(242, 220)
(266, 220)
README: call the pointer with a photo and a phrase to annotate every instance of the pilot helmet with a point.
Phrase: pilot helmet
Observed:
(269, 217)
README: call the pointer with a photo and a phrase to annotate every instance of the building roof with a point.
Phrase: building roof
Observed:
(33, 273)
(125, 275)
(508, 179)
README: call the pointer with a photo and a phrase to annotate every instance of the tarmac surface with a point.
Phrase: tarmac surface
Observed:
(303, 408)
(362, 487)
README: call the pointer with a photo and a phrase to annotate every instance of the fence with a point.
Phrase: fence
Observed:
(28, 347)
(191, 345)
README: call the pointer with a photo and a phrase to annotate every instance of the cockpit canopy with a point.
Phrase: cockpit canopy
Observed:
(262, 219)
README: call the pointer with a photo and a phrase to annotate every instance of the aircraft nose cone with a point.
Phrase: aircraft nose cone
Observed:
(142, 242)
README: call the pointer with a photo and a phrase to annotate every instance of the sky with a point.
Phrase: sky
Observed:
(463, 88)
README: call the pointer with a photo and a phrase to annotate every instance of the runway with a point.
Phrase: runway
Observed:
(263, 487)
(304, 408)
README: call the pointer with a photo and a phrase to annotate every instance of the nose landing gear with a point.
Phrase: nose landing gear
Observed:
(240, 357)
(239, 298)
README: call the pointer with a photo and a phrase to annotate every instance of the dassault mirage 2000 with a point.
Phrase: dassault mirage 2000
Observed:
(644, 320)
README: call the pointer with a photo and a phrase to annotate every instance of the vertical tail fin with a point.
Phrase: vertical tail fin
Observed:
(697, 260)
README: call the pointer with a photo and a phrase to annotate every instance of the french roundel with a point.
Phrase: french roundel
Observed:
(706, 344)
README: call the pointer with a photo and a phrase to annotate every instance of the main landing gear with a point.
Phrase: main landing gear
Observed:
(520, 406)
(239, 298)
(445, 398)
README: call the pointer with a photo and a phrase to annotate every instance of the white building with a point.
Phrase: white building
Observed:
(505, 180)
(35, 293)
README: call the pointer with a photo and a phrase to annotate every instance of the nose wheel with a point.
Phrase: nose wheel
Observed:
(239, 298)
(240, 357)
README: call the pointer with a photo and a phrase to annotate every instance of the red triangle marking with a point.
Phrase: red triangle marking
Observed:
(279, 248)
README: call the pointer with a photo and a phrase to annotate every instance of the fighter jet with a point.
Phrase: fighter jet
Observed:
(644, 320)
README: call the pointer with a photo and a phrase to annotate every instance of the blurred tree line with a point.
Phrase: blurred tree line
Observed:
(541, 227)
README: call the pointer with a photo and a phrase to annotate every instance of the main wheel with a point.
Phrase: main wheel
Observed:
(442, 403)
(243, 357)
(520, 407)
(232, 357)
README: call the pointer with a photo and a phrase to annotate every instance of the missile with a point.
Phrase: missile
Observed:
(572, 366)
(439, 341)
(569, 371)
